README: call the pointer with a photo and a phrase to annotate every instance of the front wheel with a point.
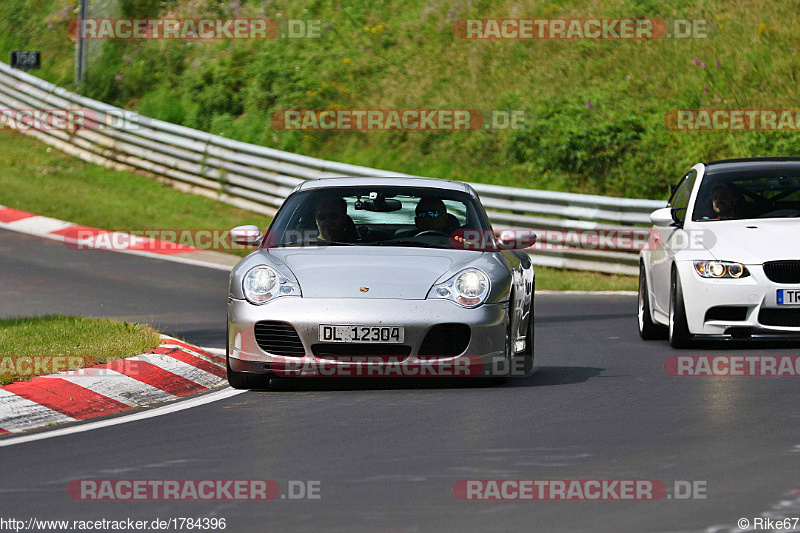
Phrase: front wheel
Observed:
(679, 335)
(245, 380)
(242, 380)
(529, 338)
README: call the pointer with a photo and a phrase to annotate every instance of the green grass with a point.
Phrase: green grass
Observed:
(378, 55)
(559, 279)
(42, 180)
(45, 181)
(67, 343)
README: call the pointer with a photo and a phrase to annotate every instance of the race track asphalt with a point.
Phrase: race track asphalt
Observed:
(388, 453)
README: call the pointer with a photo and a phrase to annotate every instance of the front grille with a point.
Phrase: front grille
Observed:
(445, 340)
(783, 271)
(733, 313)
(278, 338)
(332, 350)
(780, 317)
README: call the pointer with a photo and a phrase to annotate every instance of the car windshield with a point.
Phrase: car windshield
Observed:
(375, 216)
(754, 194)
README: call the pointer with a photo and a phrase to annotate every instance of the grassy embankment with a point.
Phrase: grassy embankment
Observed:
(48, 344)
(598, 106)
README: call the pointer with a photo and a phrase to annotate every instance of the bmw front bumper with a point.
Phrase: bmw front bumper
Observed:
(743, 308)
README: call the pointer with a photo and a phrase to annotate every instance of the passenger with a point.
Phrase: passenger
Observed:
(431, 215)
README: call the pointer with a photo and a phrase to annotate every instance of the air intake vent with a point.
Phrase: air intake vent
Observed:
(278, 338)
(780, 317)
(730, 313)
(332, 350)
(783, 271)
(445, 340)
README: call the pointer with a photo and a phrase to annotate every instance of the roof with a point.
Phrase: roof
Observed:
(393, 181)
(752, 164)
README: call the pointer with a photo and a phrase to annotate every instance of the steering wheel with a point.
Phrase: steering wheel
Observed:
(432, 232)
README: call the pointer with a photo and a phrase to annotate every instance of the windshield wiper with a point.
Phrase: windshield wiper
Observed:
(407, 243)
(312, 243)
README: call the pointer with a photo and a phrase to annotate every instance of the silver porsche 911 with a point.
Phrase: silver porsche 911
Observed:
(380, 277)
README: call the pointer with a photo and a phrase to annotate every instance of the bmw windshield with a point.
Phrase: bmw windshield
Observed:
(761, 193)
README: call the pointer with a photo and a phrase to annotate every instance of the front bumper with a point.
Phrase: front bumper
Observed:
(488, 325)
(752, 295)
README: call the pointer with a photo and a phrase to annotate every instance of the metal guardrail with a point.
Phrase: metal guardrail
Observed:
(258, 178)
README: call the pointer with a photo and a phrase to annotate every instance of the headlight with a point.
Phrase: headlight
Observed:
(469, 288)
(720, 269)
(263, 283)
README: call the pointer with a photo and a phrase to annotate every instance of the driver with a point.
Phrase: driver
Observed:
(332, 220)
(723, 201)
(431, 215)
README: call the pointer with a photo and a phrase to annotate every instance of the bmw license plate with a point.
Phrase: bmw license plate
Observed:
(357, 333)
(788, 296)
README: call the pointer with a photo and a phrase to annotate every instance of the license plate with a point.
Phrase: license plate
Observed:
(357, 333)
(788, 296)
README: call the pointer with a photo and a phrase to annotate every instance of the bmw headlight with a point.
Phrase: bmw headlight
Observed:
(469, 288)
(720, 269)
(264, 283)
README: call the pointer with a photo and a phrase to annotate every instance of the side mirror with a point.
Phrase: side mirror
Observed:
(245, 235)
(662, 217)
(516, 239)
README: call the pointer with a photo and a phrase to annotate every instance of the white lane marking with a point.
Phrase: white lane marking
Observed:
(184, 370)
(38, 224)
(141, 415)
(193, 352)
(116, 386)
(18, 413)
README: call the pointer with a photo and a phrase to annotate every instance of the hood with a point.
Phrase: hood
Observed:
(391, 272)
(754, 241)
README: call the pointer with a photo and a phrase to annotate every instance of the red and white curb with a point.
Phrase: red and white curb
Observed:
(171, 371)
(101, 239)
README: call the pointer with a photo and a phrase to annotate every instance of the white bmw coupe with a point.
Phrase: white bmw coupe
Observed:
(724, 256)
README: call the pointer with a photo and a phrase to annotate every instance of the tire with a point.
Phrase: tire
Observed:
(529, 339)
(508, 351)
(243, 380)
(246, 380)
(648, 330)
(679, 336)
(508, 361)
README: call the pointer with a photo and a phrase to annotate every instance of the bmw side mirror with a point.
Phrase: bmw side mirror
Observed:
(662, 217)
